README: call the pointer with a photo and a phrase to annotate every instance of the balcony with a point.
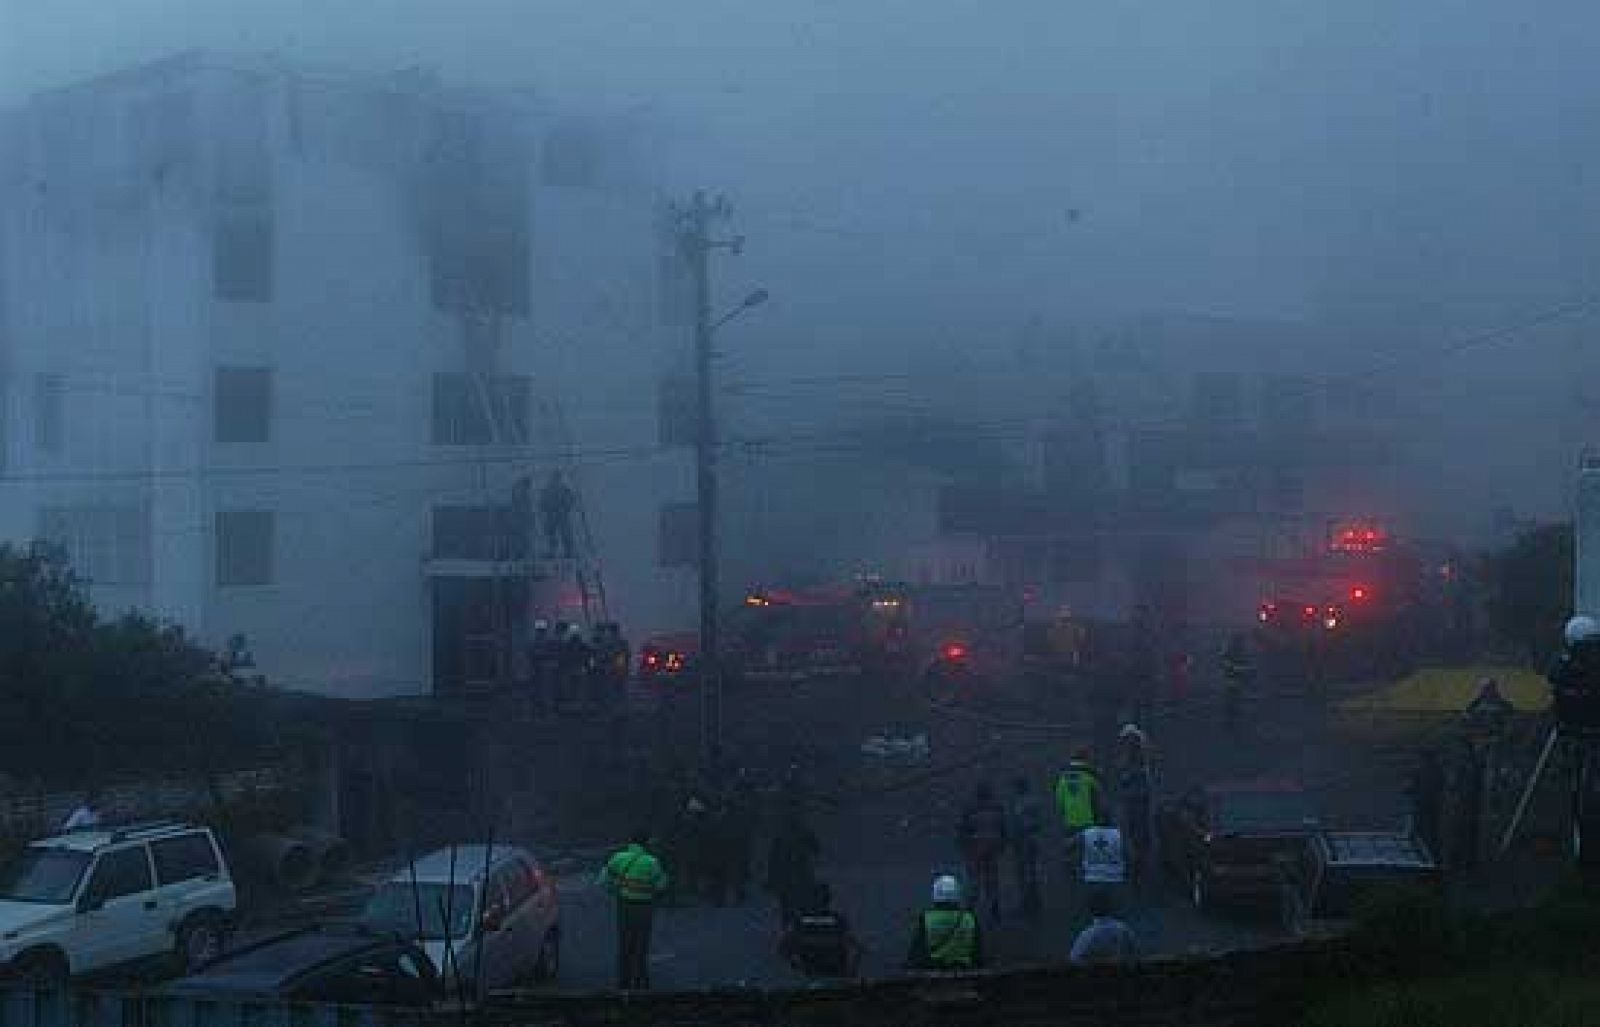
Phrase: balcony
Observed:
(477, 542)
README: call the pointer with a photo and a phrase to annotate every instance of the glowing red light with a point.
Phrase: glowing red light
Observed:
(955, 652)
(1310, 611)
(1359, 593)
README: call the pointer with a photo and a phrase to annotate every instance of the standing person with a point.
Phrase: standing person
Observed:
(1134, 797)
(1025, 828)
(1106, 939)
(1237, 670)
(1426, 791)
(947, 936)
(981, 836)
(1080, 800)
(636, 880)
(792, 862)
(573, 663)
(557, 502)
(86, 816)
(544, 662)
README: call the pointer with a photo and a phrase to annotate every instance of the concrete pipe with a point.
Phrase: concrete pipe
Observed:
(286, 863)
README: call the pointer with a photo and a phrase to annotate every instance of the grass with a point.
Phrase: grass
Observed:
(1526, 998)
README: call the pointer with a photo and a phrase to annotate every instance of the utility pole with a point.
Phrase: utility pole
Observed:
(697, 244)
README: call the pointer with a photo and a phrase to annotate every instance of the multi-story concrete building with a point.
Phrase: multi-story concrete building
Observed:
(276, 346)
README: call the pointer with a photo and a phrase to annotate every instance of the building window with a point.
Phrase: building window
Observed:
(476, 213)
(241, 254)
(244, 548)
(49, 401)
(242, 404)
(104, 545)
(480, 410)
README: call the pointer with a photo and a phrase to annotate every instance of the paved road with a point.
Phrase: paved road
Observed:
(885, 838)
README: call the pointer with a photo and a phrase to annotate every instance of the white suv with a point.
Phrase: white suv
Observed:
(94, 899)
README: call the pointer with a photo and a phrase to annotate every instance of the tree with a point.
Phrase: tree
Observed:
(81, 697)
(1530, 590)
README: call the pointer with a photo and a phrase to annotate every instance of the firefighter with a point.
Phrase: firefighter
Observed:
(1024, 829)
(544, 659)
(557, 502)
(947, 936)
(1135, 790)
(982, 838)
(636, 880)
(573, 663)
(1237, 670)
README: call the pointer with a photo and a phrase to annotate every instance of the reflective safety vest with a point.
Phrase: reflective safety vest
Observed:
(635, 875)
(952, 936)
(1102, 856)
(1075, 794)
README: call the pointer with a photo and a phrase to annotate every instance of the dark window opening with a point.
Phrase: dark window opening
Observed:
(244, 548)
(242, 402)
(476, 216)
(241, 255)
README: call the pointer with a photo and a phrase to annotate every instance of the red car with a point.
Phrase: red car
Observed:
(1225, 842)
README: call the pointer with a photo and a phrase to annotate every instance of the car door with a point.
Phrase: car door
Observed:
(508, 947)
(118, 920)
(189, 877)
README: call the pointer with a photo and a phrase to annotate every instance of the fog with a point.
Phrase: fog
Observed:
(1409, 185)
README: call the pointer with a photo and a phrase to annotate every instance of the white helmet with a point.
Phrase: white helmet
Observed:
(1582, 628)
(946, 889)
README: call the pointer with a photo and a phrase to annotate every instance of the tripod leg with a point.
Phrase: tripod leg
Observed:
(1528, 789)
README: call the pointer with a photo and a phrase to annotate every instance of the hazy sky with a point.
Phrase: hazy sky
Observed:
(1284, 158)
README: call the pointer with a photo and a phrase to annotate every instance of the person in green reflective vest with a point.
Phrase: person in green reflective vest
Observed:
(947, 936)
(635, 878)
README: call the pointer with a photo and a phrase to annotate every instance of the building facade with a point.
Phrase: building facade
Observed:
(278, 345)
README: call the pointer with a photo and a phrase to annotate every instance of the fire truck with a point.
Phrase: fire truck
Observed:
(1361, 606)
(884, 630)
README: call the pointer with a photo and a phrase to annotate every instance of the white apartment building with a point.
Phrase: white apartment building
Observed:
(276, 344)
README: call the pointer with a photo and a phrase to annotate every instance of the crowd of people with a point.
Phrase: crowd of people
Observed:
(703, 853)
(564, 665)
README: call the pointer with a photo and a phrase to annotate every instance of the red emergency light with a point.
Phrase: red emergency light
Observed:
(954, 652)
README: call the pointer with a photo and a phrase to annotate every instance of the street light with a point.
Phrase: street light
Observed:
(755, 299)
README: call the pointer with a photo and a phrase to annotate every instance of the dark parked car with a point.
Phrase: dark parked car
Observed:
(1225, 841)
(1326, 881)
(344, 965)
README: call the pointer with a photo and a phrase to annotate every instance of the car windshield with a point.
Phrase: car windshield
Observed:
(1261, 811)
(422, 911)
(43, 875)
